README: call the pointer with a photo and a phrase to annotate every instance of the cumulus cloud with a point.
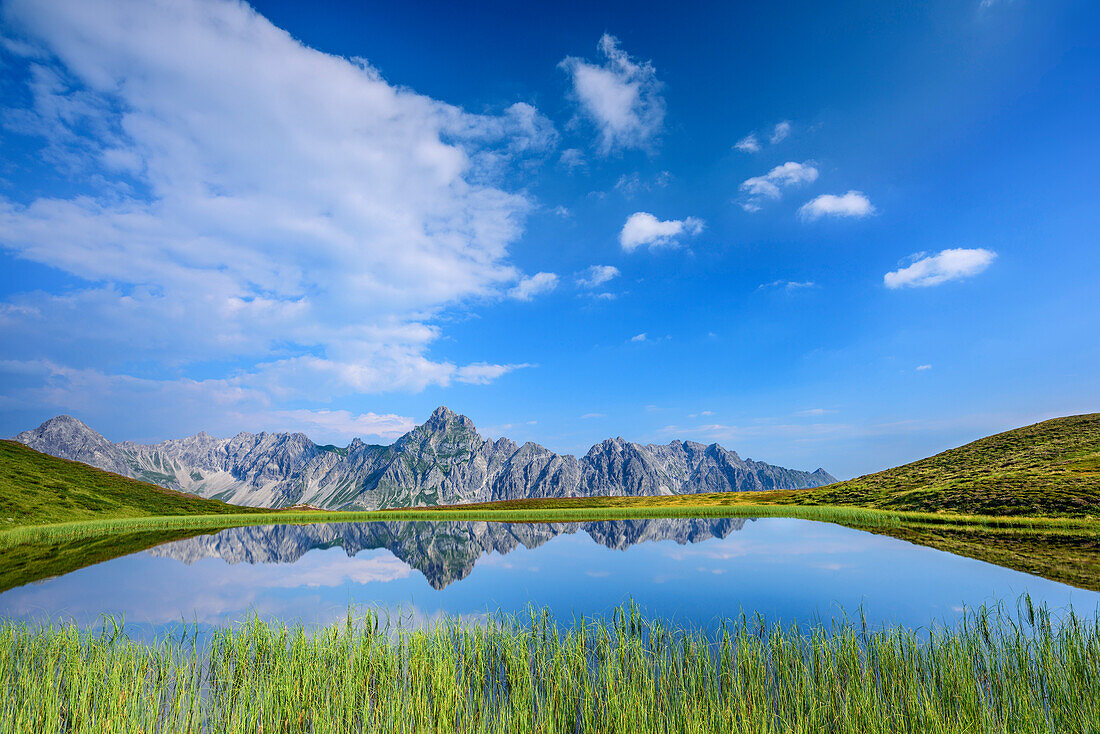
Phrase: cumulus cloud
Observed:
(928, 270)
(597, 275)
(621, 96)
(260, 200)
(923, 367)
(780, 132)
(534, 285)
(642, 228)
(748, 144)
(851, 204)
(639, 337)
(772, 183)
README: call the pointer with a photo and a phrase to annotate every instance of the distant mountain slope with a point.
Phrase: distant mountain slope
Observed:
(443, 461)
(1049, 468)
(36, 488)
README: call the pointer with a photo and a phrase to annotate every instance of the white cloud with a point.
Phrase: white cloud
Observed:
(770, 185)
(780, 132)
(622, 97)
(597, 275)
(340, 423)
(326, 571)
(922, 367)
(571, 158)
(638, 337)
(814, 411)
(722, 432)
(642, 228)
(534, 285)
(935, 269)
(789, 286)
(592, 416)
(481, 373)
(630, 185)
(260, 200)
(851, 204)
(748, 144)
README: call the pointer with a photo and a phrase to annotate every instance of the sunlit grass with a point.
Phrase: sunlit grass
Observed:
(994, 672)
(87, 528)
(581, 511)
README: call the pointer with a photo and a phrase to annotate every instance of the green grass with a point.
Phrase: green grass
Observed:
(36, 489)
(46, 557)
(995, 672)
(1050, 468)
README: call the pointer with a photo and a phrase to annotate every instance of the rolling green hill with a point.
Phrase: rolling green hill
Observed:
(1050, 468)
(36, 488)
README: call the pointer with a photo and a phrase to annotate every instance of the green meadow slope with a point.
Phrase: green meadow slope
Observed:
(1050, 468)
(36, 489)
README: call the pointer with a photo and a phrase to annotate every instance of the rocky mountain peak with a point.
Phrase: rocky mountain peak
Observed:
(443, 417)
(71, 438)
(443, 461)
(64, 423)
(444, 420)
(443, 413)
(62, 428)
(609, 446)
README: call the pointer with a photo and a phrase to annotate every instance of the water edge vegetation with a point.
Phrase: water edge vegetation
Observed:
(996, 671)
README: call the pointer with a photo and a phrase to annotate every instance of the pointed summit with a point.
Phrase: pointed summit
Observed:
(443, 418)
(443, 413)
(70, 438)
(62, 427)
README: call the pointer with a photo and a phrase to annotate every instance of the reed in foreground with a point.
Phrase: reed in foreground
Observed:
(995, 672)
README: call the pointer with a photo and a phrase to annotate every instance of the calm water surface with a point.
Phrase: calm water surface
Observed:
(684, 570)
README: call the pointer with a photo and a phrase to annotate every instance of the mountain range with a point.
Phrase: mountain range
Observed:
(442, 461)
(444, 552)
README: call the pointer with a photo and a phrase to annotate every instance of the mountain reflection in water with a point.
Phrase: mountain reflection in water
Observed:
(444, 552)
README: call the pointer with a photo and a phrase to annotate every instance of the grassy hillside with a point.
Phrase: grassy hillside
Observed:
(1050, 468)
(36, 488)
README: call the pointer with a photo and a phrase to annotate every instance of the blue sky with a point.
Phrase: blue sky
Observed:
(844, 236)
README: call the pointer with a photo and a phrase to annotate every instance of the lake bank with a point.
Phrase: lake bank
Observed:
(1062, 549)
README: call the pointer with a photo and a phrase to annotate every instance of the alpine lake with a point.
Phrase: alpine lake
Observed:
(691, 573)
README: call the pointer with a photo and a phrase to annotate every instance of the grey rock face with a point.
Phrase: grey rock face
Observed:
(444, 552)
(443, 461)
